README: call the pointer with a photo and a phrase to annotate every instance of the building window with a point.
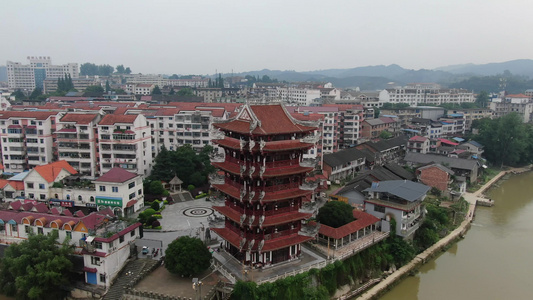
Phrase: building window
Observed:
(121, 239)
(80, 198)
(98, 245)
(40, 230)
(102, 278)
(14, 228)
(140, 192)
(91, 199)
(95, 260)
(42, 196)
(114, 189)
(132, 195)
(102, 188)
(31, 195)
(379, 208)
(41, 186)
(30, 185)
(27, 229)
(131, 185)
(132, 233)
(68, 234)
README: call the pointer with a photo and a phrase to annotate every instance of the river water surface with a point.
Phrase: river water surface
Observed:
(494, 261)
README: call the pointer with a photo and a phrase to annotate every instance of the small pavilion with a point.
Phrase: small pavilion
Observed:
(175, 184)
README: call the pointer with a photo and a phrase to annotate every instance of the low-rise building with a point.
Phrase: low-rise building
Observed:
(400, 200)
(435, 175)
(343, 164)
(419, 144)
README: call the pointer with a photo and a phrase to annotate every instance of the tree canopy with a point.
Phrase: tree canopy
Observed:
(156, 90)
(335, 214)
(185, 92)
(92, 69)
(187, 256)
(94, 90)
(19, 95)
(64, 84)
(36, 93)
(189, 166)
(506, 140)
(36, 268)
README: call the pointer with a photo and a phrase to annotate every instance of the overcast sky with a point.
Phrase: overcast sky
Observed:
(199, 37)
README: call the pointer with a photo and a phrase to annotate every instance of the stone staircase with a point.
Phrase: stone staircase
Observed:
(126, 275)
(182, 197)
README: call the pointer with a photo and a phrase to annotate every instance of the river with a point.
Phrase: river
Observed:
(494, 261)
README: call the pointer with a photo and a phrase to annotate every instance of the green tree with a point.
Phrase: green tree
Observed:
(376, 112)
(36, 268)
(120, 92)
(187, 256)
(172, 91)
(128, 70)
(156, 90)
(482, 99)
(506, 140)
(107, 86)
(385, 134)
(36, 93)
(19, 95)
(120, 69)
(94, 89)
(156, 187)
(185, 92)
(335, 214)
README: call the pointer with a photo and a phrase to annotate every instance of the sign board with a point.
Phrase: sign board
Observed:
(338, 198)
(93, 205)
(109, 201)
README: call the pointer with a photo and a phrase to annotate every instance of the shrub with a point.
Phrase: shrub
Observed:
(335, 214)
(157, 216)
(155, 205)
(156, 224)
(191, 187)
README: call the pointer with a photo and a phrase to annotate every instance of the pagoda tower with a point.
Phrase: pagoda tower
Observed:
(263, 193)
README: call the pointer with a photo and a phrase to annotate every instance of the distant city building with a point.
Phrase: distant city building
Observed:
(50, 85)
(194, 82)
(415, 95)
(518, 103)
(29, 77)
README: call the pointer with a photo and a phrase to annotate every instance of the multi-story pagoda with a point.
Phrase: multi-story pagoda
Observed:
(264, 195)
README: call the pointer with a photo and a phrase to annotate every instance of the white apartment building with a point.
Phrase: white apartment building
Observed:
(210, 94)
(299, 96)
(28, 77)
(194, 82)
(125, 142)
(26, 139)
(77, 143)
(104, 254)
(146, 79)
(518, 103)
(140, 88)
(416, 96)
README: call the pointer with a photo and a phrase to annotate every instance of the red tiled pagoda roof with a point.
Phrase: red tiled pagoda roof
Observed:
(284, 242)
(286, 145)
(228, 235)
(273, 119)
(229, 143)
(269, 196)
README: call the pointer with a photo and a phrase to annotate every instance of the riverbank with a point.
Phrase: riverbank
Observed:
(379, 289)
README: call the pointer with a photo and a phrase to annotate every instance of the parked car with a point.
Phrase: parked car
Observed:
(145, 250)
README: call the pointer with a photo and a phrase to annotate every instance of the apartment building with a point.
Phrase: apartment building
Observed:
(125, 142)
(372, 128)
(77, 141)
(145, 79)
(139, 88)
(293, 95)
(516, 103)
(26, 139)
(194, 82)
(414, 96)
(28, 77)
(471, 114)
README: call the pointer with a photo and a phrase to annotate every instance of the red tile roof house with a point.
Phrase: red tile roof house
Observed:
(103, 244)
(418, 144)
(40, 179)
(363, 225)
(435, 175)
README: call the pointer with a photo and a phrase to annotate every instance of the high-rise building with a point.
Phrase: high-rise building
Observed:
(264, 195)
(28, 77)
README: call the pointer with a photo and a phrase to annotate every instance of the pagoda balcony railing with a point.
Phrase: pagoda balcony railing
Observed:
(281, 187)
(217, 157)
(218, 200)
(309, 162)
(276, 235)
(215, 221)
(309, 186)
(308, 207)
(215, 178)
(309, 230)
(282, 210)
(235, 207)
(282, 163)
(311, 139)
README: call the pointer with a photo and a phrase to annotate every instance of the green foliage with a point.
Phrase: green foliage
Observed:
(506, 140)
(335, 214)
(156, 187)
(376, 112)
(94, 90)
(36, 93)
(385, 134)
(389, 105)
(436, 222)
(200, 195)
(435, 191)
(156, 90)
(19, 95)
(107, 86)
(185, 92)
(155, 205)
(57, 184)
(496, 83)
(187, 256)
(92, 69)
(189, 166)
(64, 84)
(482, 99)
(145, 215)
(36, 268)
(172, 91)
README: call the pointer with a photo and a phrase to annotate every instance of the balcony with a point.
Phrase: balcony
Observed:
(309, 186)
(310, 230)
(310, 139)
(308, 207)
(217, 157)
(309, 162)
(216, 179)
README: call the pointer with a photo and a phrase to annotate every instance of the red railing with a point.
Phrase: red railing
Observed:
(281, 210)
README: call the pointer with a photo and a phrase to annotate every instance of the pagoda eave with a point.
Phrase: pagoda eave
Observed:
(284, 242)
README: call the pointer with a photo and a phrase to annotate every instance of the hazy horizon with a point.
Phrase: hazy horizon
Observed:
(201, 37)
